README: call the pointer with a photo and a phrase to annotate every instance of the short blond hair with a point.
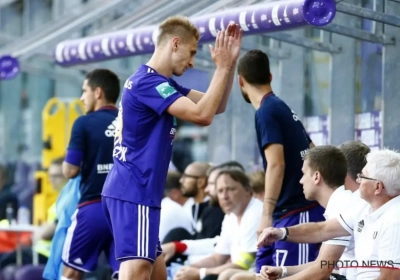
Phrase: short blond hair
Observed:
(177, 26)
(257, 181)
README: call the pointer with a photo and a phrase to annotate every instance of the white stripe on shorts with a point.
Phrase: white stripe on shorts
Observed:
(143, 231)
(303, 247)
(69, 236)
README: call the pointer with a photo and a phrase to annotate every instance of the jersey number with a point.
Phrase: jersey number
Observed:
(284, 254)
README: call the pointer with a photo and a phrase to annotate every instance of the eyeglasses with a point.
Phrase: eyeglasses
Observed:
(360, 176)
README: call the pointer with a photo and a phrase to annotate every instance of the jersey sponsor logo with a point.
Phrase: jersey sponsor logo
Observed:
(104, 168)
(112, 128)
(165, 90)
(303, 153)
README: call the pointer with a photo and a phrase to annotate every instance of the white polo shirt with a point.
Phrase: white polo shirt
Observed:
(237, 238)
(376, 236)
(173, 215)
(339, 201)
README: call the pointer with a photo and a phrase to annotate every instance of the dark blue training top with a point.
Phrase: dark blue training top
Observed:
(91, 143)
(144, 139)
(276, 123)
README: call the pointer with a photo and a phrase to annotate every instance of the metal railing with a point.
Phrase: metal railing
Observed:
(79, 17)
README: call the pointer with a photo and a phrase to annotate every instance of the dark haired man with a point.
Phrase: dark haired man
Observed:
(324, 172)
(356, 156)
(90, 153)
(283, 142)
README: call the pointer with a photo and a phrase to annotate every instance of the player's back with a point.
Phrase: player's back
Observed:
(277, 123)
(99, 129)
(143, 144)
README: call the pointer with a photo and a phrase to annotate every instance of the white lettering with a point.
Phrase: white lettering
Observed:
(120, 152)
(173, 131)
(284, 256)
(303, 153)
(128, 84)
(295, 117)
(104, 168)
(112, 128)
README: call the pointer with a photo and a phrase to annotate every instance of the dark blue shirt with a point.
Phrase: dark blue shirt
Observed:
(276, 123)
(144, 139)
(92, 136)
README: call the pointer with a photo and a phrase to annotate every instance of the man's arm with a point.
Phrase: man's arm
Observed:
(316, 232)
(204, 111)
(221, 268)
(273, 177)
(224, 54)
(389, 274)
(195, 95)
(70, 170)
(304, 233)
(212, 261)
(47, 231)
(321, 268)
(216, 264)
(74, 155)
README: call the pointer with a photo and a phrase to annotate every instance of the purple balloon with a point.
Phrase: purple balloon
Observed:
(255, 19)
(9, 67)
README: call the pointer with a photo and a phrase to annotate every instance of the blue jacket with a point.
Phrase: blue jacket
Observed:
(66, 205)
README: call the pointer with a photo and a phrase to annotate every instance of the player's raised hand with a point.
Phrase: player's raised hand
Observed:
(222, 53)
(270, 272)
(268, 236)
(237, 41)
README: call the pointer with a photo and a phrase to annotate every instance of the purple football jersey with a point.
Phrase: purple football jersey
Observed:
(144, 138)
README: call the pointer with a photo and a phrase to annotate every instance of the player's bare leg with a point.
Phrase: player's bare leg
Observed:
(159, 269)
(135, 270)
(72, 274)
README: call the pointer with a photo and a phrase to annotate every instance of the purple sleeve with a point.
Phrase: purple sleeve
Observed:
(184, 91)
(269, 127)
(157, 93)
(74, 157)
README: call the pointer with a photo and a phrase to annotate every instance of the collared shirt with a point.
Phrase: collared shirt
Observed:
(240, 238)
(376, 236)
(339, 201)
